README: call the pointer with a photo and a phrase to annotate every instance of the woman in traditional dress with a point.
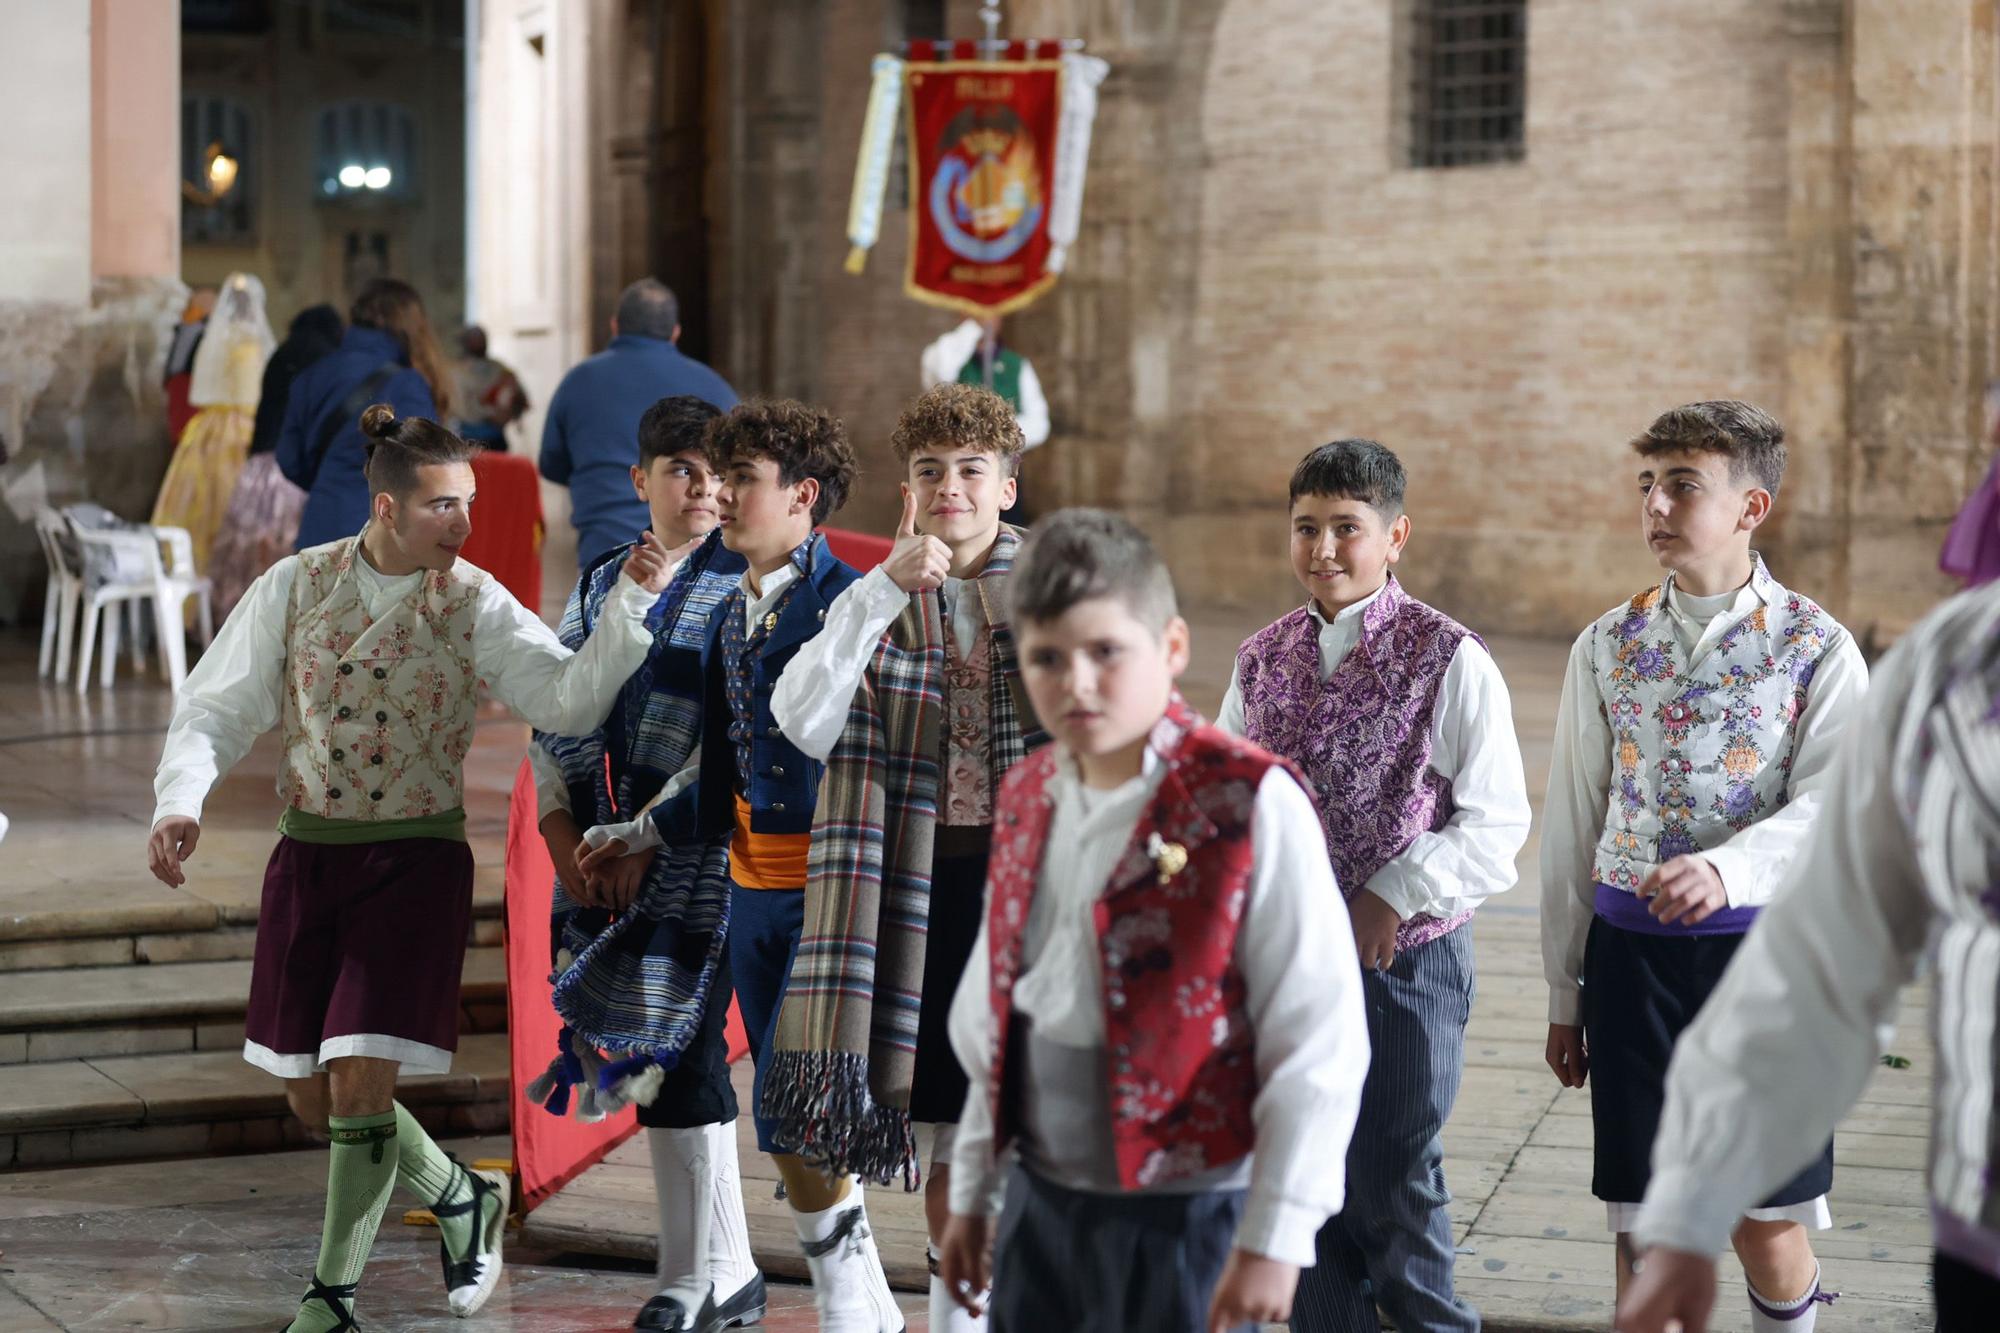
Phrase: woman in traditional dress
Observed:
(263, 516)
(227, 368)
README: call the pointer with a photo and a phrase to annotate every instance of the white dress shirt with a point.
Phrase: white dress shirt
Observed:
(1310, 1030)
(236, 692)
(642, 834)
(818, 685)
(1474, 748)
(1791, 1036)
(1752, 863)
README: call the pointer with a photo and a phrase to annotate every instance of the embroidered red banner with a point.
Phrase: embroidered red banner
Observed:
(982, 152)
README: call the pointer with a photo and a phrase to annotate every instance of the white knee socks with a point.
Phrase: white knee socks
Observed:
(1794, 1316)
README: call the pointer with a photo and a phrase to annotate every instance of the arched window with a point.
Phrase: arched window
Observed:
(209, 217)
(366, 150)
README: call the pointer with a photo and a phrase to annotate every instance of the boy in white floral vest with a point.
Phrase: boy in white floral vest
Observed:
(1697, 724)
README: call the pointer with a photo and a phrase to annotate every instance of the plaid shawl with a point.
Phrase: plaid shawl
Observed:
(845, 1054)
(635, 983)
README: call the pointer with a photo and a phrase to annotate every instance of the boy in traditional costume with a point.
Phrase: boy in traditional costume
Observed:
(1693, 752)
(913, 696)
(1900, 869)
(367, 652)
(784, 467)
(1134, 1019)
(642, 968)
(1399, 718)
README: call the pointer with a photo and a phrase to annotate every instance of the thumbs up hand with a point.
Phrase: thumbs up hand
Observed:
(916, 562)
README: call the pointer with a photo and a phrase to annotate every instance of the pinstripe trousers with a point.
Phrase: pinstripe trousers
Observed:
(1391, 1245)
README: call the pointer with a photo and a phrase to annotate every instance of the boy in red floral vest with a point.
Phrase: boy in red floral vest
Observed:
(1178, 1092)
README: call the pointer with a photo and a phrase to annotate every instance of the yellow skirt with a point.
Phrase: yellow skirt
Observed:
(202, 476)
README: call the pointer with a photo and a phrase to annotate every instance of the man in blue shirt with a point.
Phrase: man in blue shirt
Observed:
(591, 440)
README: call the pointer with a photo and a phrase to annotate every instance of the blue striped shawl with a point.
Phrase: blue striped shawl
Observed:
(635, 984)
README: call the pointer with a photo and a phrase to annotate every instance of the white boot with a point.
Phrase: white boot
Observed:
(849, 1287)
(684, 1188)
(947, 1315)
(739, 1287)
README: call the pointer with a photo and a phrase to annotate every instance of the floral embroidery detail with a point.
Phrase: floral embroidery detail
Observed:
(1182, 1073)
(1363, 736)
(377, 715)
(1695, 757)
(968, 731)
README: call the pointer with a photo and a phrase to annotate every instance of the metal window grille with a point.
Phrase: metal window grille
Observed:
(233, 218)
(1468, 82)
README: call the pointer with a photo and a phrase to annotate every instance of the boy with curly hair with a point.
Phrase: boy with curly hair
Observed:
(913, 695)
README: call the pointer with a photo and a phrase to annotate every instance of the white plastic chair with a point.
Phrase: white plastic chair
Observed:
(123, 566)
(65, 591)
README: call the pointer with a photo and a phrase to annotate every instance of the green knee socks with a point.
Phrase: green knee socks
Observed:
(427, 1172)
(360, 1172)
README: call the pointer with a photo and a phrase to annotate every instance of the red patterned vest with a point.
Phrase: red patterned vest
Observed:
(1178, 1041)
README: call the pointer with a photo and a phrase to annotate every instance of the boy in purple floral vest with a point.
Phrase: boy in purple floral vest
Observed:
(1399, 717)
(1692, 751)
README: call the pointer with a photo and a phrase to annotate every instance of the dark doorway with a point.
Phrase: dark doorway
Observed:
(659, 162)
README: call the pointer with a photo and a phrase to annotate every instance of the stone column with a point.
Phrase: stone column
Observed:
(1811, 527)
(45, 157)
(88, 286)
(135, 82)
(1923, 345)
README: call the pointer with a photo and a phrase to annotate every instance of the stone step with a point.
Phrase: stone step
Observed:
(93, 1012)
(201, 1103)
(44, 927)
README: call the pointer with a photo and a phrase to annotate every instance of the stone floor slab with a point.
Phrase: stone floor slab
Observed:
(69, 1094)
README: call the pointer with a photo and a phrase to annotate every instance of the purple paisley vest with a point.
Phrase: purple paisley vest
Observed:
(1363, 736)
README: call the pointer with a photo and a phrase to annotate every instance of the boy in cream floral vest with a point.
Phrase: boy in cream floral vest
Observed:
(1692, 750)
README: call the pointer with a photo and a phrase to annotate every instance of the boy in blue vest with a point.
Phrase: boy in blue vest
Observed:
(784, 467)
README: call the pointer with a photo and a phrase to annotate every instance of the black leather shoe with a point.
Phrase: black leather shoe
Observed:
(668, 1315)
(745, 1307)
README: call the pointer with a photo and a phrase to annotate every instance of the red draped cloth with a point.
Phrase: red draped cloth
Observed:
(506, 538)
(551, 1151)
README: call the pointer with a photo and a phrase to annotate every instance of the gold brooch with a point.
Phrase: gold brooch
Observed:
(1169, 858)
(770, 622)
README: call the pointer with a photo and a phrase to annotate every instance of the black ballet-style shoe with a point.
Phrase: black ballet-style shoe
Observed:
(666, 1314)
(338, 1300)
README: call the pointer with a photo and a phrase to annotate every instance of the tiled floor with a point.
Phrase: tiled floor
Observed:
(227, 1245)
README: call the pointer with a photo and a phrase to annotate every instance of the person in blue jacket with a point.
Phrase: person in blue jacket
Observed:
(590, 439)
(388, 355)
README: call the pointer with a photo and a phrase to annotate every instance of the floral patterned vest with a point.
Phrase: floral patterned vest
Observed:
(1698, 753)
(377, 714)
(1178, 1041)
(1363, 736)
(968, 731)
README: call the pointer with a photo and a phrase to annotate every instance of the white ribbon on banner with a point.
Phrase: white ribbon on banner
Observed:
(871, 167)
(1080, 76)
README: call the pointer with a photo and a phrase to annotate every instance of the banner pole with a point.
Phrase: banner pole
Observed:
(992, 47)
